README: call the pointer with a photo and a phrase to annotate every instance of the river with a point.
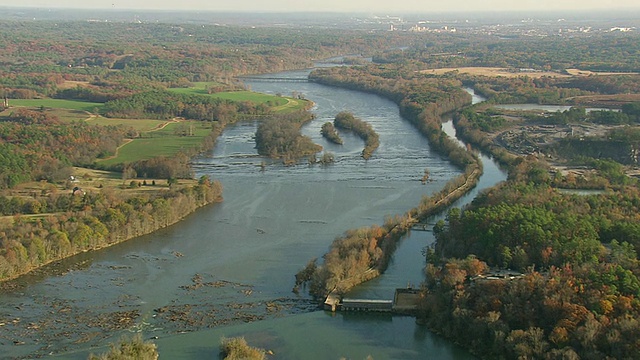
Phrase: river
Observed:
(227, 270)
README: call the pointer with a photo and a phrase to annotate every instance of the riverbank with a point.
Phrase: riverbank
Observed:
(109, 216)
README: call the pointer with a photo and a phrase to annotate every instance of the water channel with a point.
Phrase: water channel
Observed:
(229, 267)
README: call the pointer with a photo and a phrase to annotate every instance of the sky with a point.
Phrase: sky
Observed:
(367, 6)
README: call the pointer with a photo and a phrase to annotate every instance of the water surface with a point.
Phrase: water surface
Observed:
(229, 268)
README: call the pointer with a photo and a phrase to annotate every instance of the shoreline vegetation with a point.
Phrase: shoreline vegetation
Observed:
(98, 220)
(363, 254)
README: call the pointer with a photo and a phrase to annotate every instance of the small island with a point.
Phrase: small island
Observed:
(330, 133)
(345, 120)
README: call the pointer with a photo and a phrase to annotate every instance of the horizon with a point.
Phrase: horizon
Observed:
(335, 6)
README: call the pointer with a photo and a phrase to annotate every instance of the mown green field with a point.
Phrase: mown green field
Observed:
(200, 89)
(68, 115)
(138, 124)
(278, 103)
(163, 142)
(58, 104)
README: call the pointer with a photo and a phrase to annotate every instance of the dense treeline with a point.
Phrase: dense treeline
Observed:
(92, 93)
(279, 137)
(611, 51)
(363, 254)
(88, 221)
(578, 298)
(486, 121)
(529, 90)
(166, 105)
(345, 120)
(549, 90)
(629, 114)
(36, 146)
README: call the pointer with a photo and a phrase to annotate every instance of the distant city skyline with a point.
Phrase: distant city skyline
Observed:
(366, 6)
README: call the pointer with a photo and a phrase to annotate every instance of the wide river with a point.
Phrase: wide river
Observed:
(228, 270)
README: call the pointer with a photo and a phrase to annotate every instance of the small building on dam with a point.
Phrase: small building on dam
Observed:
(405, 301)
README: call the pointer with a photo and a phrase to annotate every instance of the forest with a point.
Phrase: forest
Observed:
(113, 61)
(35, 146)
(578, 297)
(574, 289)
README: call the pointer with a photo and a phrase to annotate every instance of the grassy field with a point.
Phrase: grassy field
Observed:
(69, 115)
(57, 104)
(278, 103)
(161, 142)
(94, 180)
(66, 115)
(159, 137)
(200, 89)
(141, 125)
(578, 72)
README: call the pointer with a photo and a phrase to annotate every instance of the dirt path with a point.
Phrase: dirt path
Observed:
(290, 104)
(126, 141)
(160, 127)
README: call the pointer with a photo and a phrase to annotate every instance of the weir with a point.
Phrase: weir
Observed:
(405, 301)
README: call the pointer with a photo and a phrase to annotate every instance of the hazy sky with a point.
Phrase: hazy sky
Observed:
(369, 6)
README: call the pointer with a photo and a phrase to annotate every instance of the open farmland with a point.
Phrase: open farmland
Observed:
(138, 124)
